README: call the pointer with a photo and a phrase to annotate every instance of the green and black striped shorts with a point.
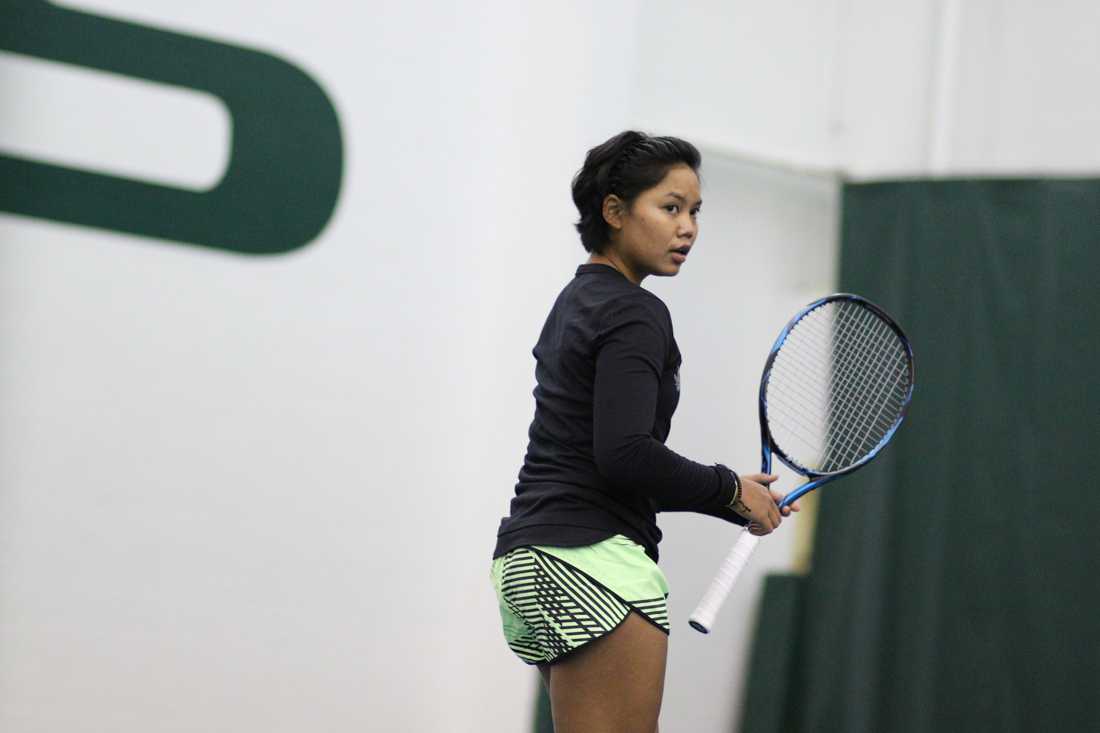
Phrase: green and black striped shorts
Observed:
(556, 599)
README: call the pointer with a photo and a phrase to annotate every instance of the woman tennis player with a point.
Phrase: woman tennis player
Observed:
(575, 564)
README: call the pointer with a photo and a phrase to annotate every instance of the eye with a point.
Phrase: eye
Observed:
(672, 208)
(695, 213)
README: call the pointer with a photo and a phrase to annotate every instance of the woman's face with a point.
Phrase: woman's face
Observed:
(654, 236)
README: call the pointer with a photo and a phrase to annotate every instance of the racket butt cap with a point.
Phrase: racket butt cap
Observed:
(698, 627)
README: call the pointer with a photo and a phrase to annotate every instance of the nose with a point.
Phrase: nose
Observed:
(687, 226)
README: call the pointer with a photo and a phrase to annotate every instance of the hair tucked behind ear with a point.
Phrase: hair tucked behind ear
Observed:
(626, 165)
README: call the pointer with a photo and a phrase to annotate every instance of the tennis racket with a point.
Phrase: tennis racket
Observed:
(835, 388)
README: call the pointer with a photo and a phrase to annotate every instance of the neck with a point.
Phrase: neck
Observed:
(611, 260)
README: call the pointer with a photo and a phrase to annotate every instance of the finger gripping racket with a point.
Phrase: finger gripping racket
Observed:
(835, 388)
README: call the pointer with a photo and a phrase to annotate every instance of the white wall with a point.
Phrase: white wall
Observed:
(880, 89)
(260, 494)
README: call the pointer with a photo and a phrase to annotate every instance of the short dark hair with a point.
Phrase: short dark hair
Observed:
(626, 165)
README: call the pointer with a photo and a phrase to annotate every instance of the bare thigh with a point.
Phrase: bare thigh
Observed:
(613, 684)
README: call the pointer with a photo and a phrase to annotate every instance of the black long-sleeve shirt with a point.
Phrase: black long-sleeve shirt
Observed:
(607, 373)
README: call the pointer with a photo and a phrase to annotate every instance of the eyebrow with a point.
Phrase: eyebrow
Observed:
(681, 197)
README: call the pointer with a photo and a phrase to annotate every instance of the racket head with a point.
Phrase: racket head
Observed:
(835, 388)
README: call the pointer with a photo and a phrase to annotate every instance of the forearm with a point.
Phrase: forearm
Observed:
(643, 465)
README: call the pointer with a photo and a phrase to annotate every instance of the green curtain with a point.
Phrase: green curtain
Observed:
(954, 583)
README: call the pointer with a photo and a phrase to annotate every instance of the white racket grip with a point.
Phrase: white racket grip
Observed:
(703, 617)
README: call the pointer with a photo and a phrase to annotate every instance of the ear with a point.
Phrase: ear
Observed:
(614, 210)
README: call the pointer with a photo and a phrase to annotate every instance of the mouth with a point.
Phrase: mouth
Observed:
(679, 254)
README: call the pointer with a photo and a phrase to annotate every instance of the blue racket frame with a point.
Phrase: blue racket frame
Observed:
(768, 445)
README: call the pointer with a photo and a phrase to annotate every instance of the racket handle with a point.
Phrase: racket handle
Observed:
(703, 617)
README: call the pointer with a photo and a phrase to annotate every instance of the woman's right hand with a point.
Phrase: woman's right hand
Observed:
(757, 503)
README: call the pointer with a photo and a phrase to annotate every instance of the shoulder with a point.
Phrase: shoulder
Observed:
(609, 301)
(638, 316)
(654, 305)
(638, 304)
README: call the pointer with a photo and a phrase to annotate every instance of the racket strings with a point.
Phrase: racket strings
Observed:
(866, 427)
(808, 383)
(809, 380)
(838, 385)
(859, 434)
(862, 393)
(858, 381)
(818, 398)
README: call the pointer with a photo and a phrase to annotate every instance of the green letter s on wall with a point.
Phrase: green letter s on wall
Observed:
(285, 165)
